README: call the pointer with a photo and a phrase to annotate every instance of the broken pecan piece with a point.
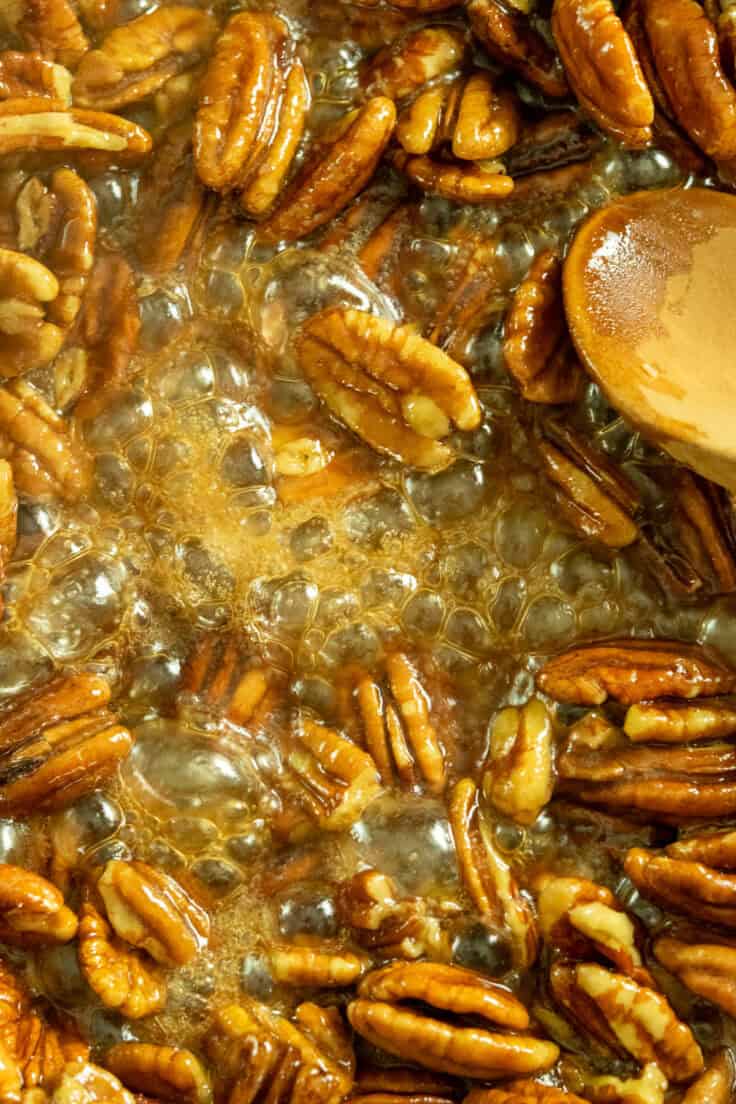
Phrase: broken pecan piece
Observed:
(27, 288)
(462, 182)
(137, 58)
(334, 174)
(49, 26)
(45, 459)
(164, 1072)
(523, 1092)
(603, 68)
(30, 74)
(537, 348)
(32, 910)
(58, 743)
(632, 671)
(679, 722)
(686, 884)
(486, 874)
(83, 1083)
(315, 967)
(222, 672)
(28, 125)
(708, 969)
(391, 387)
(387, 924)
(413, 59)
(8, 518)
(149, 909)
(118, 976)
(519, 775)
(379, 1017)
(509, 37)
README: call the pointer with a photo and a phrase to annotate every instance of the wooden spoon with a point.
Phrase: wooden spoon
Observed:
(650, 296)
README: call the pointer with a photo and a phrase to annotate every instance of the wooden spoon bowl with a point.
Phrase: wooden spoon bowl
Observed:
(650, 297)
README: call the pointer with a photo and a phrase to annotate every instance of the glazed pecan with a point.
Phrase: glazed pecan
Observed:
(83, 1083)
(58, 743)
(222, 673)
(404, 1081)
(603, 68)
(632, 671)
(256, 1051)
(649, 1088)
(253, 103)
(596, 498)
(44, 457)
(463, 182)
(523, 1092)
(475, 299)
(334, 174)
(110, 326)
(685, 50)
(708, 969)
(119, 976)
(716, 1085)
(704, 520)
(11, 1077)
(30, 74)
(537, 348)
(315, 966)
(686, 884)
(49, 26)
(486, 874)
(28, 125)
(387, 924)
(32, 911)
(398, 731)
(379, 1017)
(164, 1072)
(57, 223)
(558, 138)
(519, 775)
(509, 37)
(8, 517)
(137, 58)
(679, 722)
(42, 1052)
(471, 115)
(149, 909)
(394, 389)
(413, 59)
(27, 288)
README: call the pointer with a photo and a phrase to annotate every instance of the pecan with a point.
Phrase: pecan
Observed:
(83, 1083)
(137, 58)
(716, 1085)
(382, 922)
(58, 225)
(110, 326)
(558, 138)
(58, 743)
(32, 911)
(167, 1073)
(30, 74)
(149, 909)
(173, 205)
(11, 1077)
(523, 1092)
(398, 731)
(519, 775)
(253, 102)
(404, 1081)
(223, 674)
(595, 497)
(708, 969)
(704, 520)
(28, 125)
(603, 69)
(680, 722)
(474, 301)
(27, 288)
(632, 671)
(51, 27)
(685, 49)
(413, 59)
(461, 182)
(8, 517)
(255, 1050)
(116, 974)
(509, 37)
(42, 1052)
(649, 1088)
(477, 120)
(334, 174)
(328, 1031)
(686, 885)
(394, 389)
(308, 966)
(537, 348)
(44, 457)
(486, 874)
(379, 1016)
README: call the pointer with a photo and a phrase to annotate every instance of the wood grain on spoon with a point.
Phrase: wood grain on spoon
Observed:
(650, 295)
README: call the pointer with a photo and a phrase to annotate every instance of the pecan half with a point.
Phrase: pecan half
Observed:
(27, 288)
(28, 125)
(384, 923)
(334, 174)
(685, 49)
(394, 389)
(49, 26)
(704, 520)
(168, 1073)
(58, 743)
(509, 37)
(558, 138)
(30, 74)
(110, 326)
(595, 497)
(44, 457)
(708, 969)
(537, 348)
(413, 59)
(463, 182)
(83, 1083)
(486, 874)
(308, 966)
(379, 1017)
(603, 68)
(149, 909)
(476, 119)
(680, 722)
(137, 58)
(632, 671)
(32, 911)
(519, 775)
(223, 674)
(116, 974)
(685, 885)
